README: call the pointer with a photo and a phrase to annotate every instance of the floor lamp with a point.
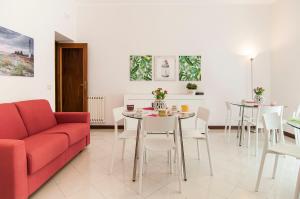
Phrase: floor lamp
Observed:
(251, 61)
(252, 89)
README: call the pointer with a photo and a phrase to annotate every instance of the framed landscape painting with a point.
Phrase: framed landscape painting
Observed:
(190, 68)
(165, 68)
(140, 68)
(16, 54)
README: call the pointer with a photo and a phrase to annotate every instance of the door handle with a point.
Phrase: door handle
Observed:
(84, 84)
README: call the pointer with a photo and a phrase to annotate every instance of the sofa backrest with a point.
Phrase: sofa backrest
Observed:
(11, 123)
(37, 115)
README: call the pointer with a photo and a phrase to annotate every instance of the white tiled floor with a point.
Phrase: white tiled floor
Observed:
(235, 172)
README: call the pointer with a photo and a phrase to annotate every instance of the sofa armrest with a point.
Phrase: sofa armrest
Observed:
(72, 117)
(13, 169)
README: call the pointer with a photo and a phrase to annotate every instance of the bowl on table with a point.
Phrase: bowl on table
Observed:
(130, 107)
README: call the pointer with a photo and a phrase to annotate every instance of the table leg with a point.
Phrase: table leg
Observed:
(242, 125)
(136, 149)
(239, 123)
(182, 150)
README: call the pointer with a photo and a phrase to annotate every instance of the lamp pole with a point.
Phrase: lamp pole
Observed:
(251, 61)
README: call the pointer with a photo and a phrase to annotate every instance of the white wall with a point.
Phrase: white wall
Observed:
(285, 54)
(39, 20)
(220, 33)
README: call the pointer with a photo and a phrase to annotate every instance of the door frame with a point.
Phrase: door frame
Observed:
(58, 73)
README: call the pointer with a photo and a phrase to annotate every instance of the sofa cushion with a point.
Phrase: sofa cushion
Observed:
(41, 149)
(75, 131)
(11, 125)
(37, 115)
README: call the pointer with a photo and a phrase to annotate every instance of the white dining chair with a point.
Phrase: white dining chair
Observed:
(273, 122)
(258, 123)
(228, 120)
(124, 135)
(159, 142)
(200, 133)
(296, 114)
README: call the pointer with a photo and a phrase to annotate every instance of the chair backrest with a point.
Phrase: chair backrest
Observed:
(117, 114)
(159, 124)
(203, 114)
(272, 122)
(296, 114)
(228, 106)
(266, 110)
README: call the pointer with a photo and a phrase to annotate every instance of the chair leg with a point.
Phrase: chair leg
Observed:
(141, 165)
(296, 137)
(209, 158)
(229, 130)
(123, 149)
(113, 156)
(178, 165)
(198, 149)
(275, 166)
(297, 190)
(170, 161)
(260, 170)
(145, 156)
(256, 141)
(226, 125)
(249, 136)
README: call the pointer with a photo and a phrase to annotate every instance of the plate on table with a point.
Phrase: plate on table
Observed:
(185, 112)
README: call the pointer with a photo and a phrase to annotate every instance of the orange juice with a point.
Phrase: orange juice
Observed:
(184, 108)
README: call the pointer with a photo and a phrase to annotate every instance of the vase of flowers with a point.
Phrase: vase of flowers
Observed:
(191, 88)
(259, 98)
(159, 95)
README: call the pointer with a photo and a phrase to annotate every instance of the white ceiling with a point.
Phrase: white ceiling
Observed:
(176, 1)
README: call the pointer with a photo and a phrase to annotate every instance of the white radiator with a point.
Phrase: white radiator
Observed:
(96, 109)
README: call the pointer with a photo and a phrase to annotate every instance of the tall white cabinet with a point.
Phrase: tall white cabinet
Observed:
(142, 100)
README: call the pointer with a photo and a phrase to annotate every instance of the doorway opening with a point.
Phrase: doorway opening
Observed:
(70, 76)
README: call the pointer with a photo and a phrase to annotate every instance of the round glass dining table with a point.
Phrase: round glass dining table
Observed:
(145, 113)
(294, 124)
(242, 106)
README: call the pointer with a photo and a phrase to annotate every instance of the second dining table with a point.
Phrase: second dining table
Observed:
(139, 117)
(242, 105)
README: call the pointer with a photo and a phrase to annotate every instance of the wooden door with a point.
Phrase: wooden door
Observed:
(71, 77)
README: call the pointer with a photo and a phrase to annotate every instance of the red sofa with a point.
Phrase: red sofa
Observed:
(35, 143)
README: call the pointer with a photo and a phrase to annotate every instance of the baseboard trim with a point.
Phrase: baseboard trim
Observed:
(106, 126)
(288, 134)
(122, 127)
(213, 127)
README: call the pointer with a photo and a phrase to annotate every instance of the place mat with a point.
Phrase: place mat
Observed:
(295, 120)
(153, 115)
(148, 108)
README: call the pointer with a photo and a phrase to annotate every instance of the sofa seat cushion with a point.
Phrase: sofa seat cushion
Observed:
(74, 131)
(41, 149)
(37, 115)
(11, 125)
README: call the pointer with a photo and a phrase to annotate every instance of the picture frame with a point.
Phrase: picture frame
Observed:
(190, 67)
(141, 67)
(16, 54)
(165, 68)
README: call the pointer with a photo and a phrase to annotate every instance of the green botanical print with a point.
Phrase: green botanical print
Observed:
(189, 68)
(140, 68)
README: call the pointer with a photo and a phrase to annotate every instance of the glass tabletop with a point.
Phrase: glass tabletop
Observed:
(294, 124)
(135, 115)
(245, 104)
